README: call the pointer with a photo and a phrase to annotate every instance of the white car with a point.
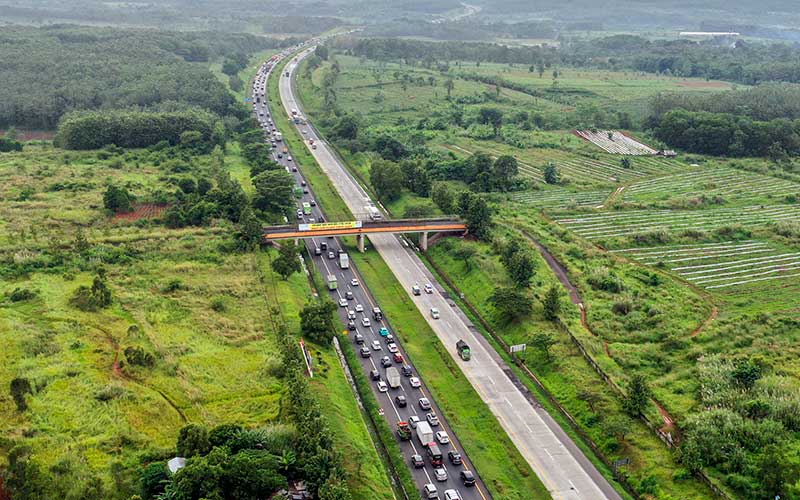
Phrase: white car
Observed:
(428, 288)
(415, 382)
(451, 495)
(442, 437)
(393, 348)
(354, 282)
(351, 315)
(343, 302)
(382, 387)
(289, 158)
(440, 474)
(365, 322)
(359, 308)
(376, 346)
(434, 313)
(413, 420)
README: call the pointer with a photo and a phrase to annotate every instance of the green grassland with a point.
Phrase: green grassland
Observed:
(202, 309)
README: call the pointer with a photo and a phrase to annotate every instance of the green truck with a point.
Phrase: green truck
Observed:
(463, 350)
(332, 283)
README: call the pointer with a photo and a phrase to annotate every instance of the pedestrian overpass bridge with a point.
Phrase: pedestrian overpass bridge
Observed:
(363, 227)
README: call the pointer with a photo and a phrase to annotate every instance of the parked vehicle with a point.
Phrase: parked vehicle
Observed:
(463, 350)
(424, 433)
(393, 377)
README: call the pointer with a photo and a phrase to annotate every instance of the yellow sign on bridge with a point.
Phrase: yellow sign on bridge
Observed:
(322, 226)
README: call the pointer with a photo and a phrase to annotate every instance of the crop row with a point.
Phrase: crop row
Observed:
(608, 225)
(615, 142)
(733, 263)
(560, 198)
(717, 181)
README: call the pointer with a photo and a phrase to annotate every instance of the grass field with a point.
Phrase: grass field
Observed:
(181, 295)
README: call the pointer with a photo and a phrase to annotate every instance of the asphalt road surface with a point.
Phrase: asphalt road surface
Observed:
(328, 264)
(559, 463)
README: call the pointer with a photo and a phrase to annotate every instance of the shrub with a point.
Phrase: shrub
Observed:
(603, 279)
(90, 299)
(218, 304)
(21, 295)
(137, 356)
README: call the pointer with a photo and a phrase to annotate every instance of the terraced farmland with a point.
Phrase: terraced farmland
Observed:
(561, 198)
(632, 222)
(615, 142)
(728, 183)
(722, 265)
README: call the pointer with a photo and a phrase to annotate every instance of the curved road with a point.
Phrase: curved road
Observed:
(559, 463)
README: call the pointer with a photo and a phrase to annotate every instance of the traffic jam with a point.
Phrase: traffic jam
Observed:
(435, 457)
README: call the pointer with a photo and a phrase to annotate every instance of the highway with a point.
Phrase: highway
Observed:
(559, 463)
(327, 263)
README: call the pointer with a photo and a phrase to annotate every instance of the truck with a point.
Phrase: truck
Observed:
(393, 377)
(298, 192)
(463, 350)
(377, 314)
(403, 431)
(332, 283)
(424, 433)
(344, 261)
(278, 136)
(306, 208)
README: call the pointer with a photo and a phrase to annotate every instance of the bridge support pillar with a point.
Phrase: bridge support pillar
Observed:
(361, 243)
(423, 242)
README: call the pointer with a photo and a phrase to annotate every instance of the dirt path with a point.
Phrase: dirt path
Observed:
(707, 322)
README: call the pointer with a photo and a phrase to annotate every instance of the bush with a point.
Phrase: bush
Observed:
(21, 295)
(603, 279)
(90, 299)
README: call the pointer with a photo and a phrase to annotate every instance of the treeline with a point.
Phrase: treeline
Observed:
(137, 129)
(724, 134)
(391, 49)
(744, 62)
(47, 72)
(767, 101)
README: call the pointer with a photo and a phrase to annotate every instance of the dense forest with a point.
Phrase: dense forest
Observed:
(48, 72)
(764, 102)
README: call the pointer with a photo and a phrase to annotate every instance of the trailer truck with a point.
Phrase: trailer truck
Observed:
(393, 377)
(424, 433)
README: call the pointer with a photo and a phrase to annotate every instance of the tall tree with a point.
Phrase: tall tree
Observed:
(511, 304)
(551, 303)
(505, 169)
(288, 260)
(491, 116)
(317, 320)
(638, 395)
(551, 174)
(273, 191)
(387, 178)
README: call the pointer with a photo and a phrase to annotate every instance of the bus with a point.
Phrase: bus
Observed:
(298, 192)
(306, 208)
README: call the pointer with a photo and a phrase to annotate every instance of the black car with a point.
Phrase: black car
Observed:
(406, 371)
(455, 457)
(351, 325)
(359, 338)
(323, 245)
(374, 374)
(401, 401)
(417, 461)
(280, 155)
(385, 361)
(468, 478)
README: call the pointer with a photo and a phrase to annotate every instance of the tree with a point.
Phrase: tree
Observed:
(152, 481)
(491, 116)
(505, 169)
(776, 473)
(322, 52)
(287, 262)
(551, 174)
(638, 395)
(551, 303)
(387, 179)
(449, 85)
(90, 299)
(590, 397)
(222, 434)
(540, 68)
(19, 387)
(465, 253)
(746, 373)
(23, 478)
(274, 191)
(625, 162)
(617, 426)
(316, 320)
(511, 304)
(192, 441)
(521, 268)
(250, 230)
(444, 196)
(346, 128)
(542, 342)
(117, 199)
(477, 214)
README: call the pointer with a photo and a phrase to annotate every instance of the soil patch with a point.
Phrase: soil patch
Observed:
(142, 211)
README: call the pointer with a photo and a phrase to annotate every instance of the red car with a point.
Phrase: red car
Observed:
(398, 358)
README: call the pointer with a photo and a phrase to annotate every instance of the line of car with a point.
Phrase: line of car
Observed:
(370, 342)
